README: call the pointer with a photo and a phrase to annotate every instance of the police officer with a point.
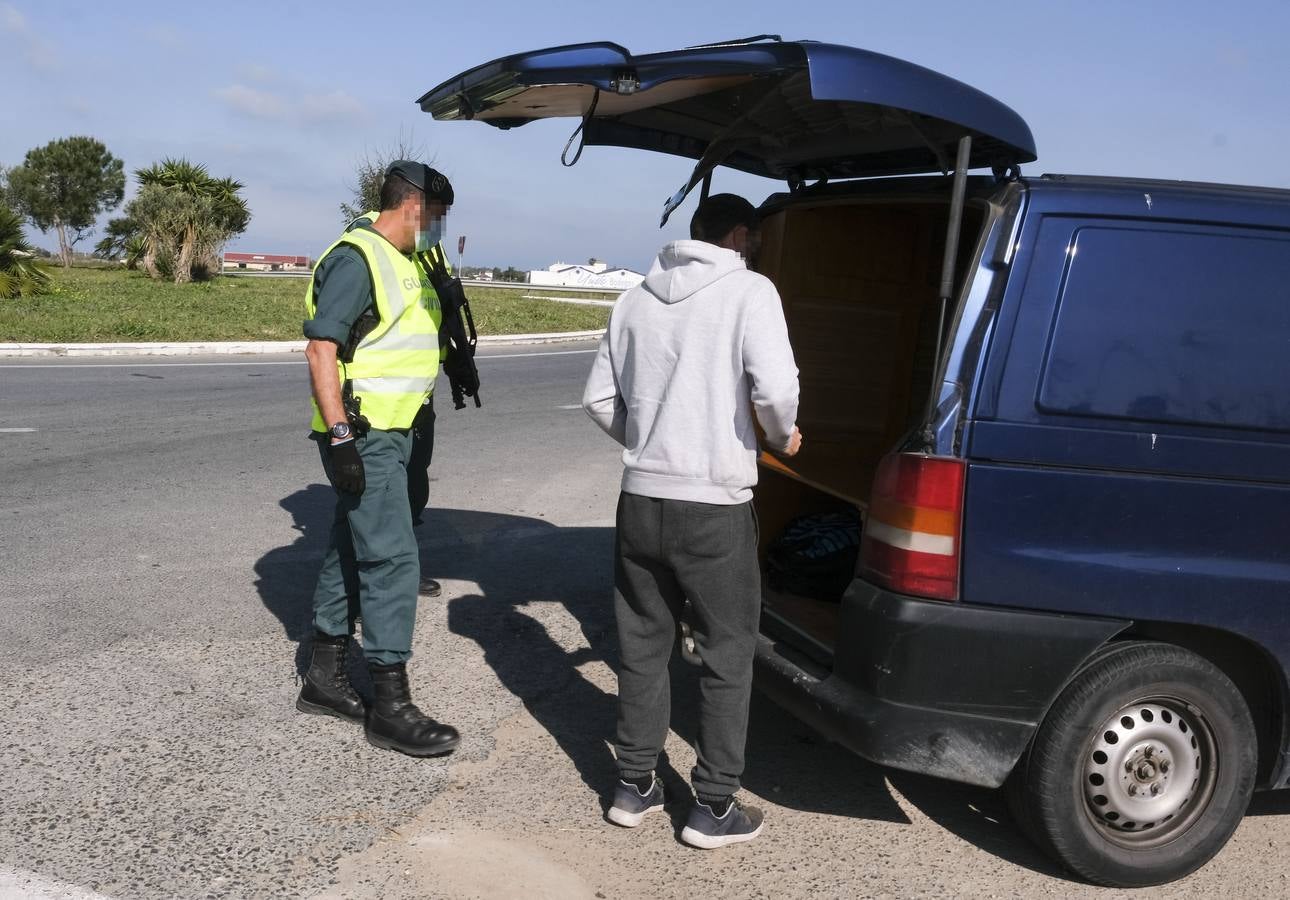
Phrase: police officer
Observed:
(373, 354)
(423, 425)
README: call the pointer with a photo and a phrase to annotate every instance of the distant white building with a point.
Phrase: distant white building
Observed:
(595, 274)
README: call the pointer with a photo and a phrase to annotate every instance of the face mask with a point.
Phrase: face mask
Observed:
(428, 238)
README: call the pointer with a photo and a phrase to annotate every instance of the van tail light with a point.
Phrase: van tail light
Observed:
(912, 533)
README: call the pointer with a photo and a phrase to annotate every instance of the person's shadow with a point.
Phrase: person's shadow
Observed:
(285, 577)
(516, 561)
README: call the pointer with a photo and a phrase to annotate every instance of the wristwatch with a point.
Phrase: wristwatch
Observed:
(340, 431)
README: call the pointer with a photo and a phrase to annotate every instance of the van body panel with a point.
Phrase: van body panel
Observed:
(1189, 550)
(1128, 445)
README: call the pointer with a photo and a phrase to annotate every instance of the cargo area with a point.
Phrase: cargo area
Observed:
(859, 280)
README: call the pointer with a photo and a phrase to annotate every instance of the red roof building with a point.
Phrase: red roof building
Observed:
(267, 261)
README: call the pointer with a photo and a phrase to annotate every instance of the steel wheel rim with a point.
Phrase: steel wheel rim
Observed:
(1149, 771)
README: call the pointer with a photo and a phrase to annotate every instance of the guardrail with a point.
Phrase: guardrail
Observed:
(471, 282)
(525, 286)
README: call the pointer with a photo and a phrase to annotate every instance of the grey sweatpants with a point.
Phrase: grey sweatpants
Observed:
(668, 551)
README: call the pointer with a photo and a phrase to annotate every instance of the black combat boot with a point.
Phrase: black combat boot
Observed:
(395, 723)
(327, 691)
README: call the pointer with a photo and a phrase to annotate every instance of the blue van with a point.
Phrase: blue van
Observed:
(1062, 405)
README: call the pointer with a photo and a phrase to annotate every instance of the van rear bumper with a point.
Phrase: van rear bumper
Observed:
(945, 689)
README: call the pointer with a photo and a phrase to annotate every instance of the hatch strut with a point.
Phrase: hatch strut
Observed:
(948, 265)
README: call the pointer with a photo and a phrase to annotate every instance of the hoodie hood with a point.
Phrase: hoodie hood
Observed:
(684, 267)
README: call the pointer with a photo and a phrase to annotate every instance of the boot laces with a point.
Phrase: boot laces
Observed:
(340, 675)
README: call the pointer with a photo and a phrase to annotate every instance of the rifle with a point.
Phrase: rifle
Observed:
(459, 326)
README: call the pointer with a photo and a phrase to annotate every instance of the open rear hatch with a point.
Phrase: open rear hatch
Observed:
(797, 111)
(867, 271)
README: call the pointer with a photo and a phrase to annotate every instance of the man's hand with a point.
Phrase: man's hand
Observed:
(794, 443)
(347, 467)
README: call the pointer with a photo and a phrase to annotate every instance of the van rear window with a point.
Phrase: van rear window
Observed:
(1179, 325)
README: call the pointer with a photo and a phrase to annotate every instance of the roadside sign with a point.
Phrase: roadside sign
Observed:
(461, 245)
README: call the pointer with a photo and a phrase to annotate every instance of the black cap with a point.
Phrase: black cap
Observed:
(431, 182)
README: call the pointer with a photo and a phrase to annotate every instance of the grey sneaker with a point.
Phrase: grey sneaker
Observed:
(630, 805)
(708, 831)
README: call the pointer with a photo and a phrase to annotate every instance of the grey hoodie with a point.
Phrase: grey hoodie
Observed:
(690, 356)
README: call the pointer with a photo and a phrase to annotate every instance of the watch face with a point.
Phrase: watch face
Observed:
(340, 430)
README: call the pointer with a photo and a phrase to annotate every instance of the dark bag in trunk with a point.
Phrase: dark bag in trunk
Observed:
(816, 555)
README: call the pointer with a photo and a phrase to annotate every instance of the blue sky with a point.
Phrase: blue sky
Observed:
(286, 97)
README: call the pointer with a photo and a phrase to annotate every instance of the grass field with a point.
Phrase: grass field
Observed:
(92, 305)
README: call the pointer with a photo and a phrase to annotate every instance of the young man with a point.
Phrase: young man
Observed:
(693, 360)
(373, 354)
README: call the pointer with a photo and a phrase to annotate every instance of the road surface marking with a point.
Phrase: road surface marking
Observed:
(293, 362)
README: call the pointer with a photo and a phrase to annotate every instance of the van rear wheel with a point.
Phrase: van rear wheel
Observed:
(1142, 769)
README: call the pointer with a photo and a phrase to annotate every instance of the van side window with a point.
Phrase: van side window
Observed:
(1181, 325)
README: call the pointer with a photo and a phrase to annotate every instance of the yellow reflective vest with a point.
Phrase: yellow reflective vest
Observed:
(394, 365)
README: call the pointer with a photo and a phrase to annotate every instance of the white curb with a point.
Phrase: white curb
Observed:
(195, 348)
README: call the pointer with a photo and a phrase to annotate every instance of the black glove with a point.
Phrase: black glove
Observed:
(347, 467)
(463, 376)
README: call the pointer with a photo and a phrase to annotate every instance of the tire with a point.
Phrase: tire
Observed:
(1142, 769)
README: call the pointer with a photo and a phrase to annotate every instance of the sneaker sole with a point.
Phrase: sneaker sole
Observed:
(715, 841)
(420, 752)
(627, 819)
(315, 709)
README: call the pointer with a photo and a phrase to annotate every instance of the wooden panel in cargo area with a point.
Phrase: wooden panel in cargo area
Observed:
(859, 289)
(778, 501)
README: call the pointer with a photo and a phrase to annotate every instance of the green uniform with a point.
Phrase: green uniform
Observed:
(373, 553)
(347, 273)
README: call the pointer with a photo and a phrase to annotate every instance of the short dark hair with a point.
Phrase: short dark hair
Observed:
(394, 190)
(720, 214)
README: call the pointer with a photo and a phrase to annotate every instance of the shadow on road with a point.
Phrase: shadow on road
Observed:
(285, 577)
(978, 816)
(1270, 803)
(519, 562)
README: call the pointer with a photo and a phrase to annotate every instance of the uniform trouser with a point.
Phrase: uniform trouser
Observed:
(419, 461)
(668, 551)
(373, 553)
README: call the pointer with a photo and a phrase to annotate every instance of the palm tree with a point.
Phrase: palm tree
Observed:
(232, 213)
(192, 180)
(134, 250)
(19, 274)
(190, 217)
(189, 177)
(116, 236)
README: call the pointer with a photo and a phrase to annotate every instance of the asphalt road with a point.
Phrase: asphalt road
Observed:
(162, 526)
